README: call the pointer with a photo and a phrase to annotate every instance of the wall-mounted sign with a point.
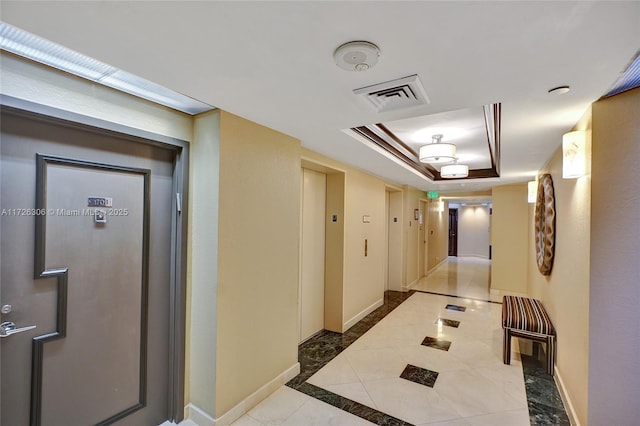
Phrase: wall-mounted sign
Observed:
(99, 202)
(432, 194)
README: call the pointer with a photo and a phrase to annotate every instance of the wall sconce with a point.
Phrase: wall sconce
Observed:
(574, 156)
(532, 191)
(441, 206)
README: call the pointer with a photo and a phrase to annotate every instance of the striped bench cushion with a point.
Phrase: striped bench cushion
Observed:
(523, 313)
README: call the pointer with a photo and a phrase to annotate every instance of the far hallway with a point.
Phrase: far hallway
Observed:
(460, 276)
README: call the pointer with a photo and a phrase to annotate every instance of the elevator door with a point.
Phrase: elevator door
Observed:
(314, 189)
(85, 258)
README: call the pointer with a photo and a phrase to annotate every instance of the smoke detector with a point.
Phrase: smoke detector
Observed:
(356, 55)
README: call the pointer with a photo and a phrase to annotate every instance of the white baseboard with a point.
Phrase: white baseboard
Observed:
(201, 418)
(406, 288)
(194, 414)
(566, 400)
(364, 313)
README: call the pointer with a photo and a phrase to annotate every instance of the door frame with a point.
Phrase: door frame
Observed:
(179, 223)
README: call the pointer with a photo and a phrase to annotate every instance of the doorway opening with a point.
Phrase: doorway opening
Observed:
(453, 232)
(321, 249)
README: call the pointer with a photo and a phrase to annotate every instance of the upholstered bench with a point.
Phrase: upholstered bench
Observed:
(526, 317)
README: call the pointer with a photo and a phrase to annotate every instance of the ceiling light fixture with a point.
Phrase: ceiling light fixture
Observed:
(38, 49)
(455, 170)
(356, 56)
(437, 152)
(560, 90)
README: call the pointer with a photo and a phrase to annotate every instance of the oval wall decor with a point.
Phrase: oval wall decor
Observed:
(545, 224)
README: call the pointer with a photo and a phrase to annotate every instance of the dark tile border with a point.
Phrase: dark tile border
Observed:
(316, 352)
(370, 414)
(456, 296)
(543, 399)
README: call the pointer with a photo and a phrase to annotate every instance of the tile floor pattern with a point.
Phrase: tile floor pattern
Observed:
(347, 378)
(419, 375)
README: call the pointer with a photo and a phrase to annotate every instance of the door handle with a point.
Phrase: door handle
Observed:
(8, 328)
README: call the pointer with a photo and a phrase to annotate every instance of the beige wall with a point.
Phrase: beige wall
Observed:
(613, 314)
(364, 275)
(259, 236)
(565, 293)
(438, 234)
(509, 239)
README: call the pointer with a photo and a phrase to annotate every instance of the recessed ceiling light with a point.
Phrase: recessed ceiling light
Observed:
(560, 90)
(356, 55)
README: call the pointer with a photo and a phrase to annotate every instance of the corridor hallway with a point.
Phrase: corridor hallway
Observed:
(421, 358)
(460, 276)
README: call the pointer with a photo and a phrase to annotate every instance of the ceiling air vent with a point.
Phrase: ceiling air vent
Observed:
(393, 95)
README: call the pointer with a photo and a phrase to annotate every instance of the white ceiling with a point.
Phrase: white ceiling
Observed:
(464, 128)
(271, 62)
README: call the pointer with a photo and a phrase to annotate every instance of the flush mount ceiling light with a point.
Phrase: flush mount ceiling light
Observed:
(560, 90)
(356, 56)
(455, 170)
(37, 49)
(437, 152)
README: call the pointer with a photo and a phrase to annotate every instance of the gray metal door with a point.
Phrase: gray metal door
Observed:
(85, 257)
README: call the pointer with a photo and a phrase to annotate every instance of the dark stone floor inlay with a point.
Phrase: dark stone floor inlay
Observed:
(436, 343)
(456, 308)
(419, 375)
(448, 322)
(545, 405)
(350, 406)
(316, 352)
(543, 398)
(459, 297)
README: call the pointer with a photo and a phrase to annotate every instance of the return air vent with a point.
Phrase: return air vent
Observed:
(393, 95)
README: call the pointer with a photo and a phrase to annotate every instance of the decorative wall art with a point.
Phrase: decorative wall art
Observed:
(545, 224)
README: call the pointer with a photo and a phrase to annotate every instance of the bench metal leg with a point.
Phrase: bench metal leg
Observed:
(506, 346)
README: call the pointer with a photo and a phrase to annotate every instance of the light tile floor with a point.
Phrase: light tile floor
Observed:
(460, 276)
(473, 386)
